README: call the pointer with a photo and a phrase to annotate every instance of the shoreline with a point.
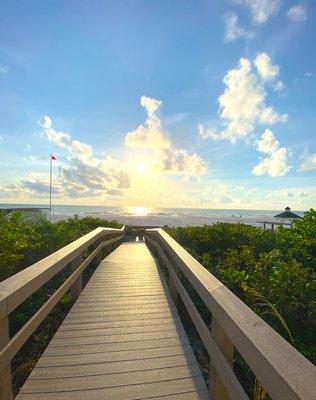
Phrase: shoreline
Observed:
(169, 220)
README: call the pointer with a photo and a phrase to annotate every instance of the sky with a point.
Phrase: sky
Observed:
(170, 103)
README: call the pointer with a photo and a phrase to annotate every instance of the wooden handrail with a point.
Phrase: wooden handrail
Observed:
(17, 288)
(22, 285)
(284, 372)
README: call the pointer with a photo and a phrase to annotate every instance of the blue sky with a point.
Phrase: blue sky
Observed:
(171, 103)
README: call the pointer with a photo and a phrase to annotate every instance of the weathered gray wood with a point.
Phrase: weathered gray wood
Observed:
(76, 287)
(17, 288)
(12, 347)
(5, 374)
(126, 343)
(216, 386)
(284, 372)
(218, 359)
(195, 387)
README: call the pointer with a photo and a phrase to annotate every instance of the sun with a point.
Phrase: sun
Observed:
(140, 168)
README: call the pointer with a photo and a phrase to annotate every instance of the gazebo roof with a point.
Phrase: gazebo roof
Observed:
(287, 214)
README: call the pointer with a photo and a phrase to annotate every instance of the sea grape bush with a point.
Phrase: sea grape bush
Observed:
(270, 272)
(24, 242)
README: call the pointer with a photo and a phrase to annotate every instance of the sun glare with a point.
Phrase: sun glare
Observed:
(140, 168)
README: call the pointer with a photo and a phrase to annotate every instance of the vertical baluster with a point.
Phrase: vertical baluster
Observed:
(5, 374)
(76, 287)
(173, 290)
(99, 256)
(216, 387)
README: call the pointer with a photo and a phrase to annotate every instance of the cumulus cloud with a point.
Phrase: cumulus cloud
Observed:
(289, 194)
(81, 149)
(269, 116)
(308, 161)
(152, 137)
(217, 193)
(149, 135)
(267, 142)
(297, 14)
(233, 30)
(81, 176)
(179, 161)
(278, 162)
(242, 104)
(261, 10)
(61, 139)
(275, 165)
(265, 67)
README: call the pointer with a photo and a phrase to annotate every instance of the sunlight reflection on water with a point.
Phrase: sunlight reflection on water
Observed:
(139, 211)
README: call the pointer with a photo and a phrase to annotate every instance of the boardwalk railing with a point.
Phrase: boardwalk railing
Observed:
(22, 285)
(280, 368)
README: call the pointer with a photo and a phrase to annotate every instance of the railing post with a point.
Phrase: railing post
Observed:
(76, 287)
(5, 375)
(173, 290)
(216, 387)
(99, 256)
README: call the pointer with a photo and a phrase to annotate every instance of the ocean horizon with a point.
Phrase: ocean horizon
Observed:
(158, 216)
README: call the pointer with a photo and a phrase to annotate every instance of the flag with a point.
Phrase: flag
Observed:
(52, 157)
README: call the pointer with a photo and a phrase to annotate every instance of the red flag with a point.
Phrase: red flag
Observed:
(52, 157)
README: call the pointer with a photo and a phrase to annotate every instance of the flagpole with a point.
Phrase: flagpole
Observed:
(50, 186)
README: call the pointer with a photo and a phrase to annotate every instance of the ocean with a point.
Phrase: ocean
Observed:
(159, 216)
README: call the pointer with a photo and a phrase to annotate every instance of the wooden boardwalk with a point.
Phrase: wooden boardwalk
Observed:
(122, 340)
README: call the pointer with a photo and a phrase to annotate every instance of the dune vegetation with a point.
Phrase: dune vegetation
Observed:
(272, 272)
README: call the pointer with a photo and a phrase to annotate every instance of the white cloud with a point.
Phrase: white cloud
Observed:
(242, 104)
(233, 30)
(275, 165)
(278, 162)
(82, 176)
(270, 116)
(152, 137)
(61, 139)
(261, 10)
(297, 13)
(308, 161)
(179, 161)
(81, 149)
(207, 133)
(267, 142)
(217, 193)
(266, 69)
(289, 194)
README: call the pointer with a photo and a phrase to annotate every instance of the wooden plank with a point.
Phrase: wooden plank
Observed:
(76, 325)
(112, 356)
(110, 330)
(8, 352)
(120, 343)
(113, 367)
(284, 372)
(127, 392)
(217, 358)
(111, 379)
(5, 375)
(17, 288)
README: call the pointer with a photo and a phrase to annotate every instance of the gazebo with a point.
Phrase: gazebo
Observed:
(285, 218)
(287, 214)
